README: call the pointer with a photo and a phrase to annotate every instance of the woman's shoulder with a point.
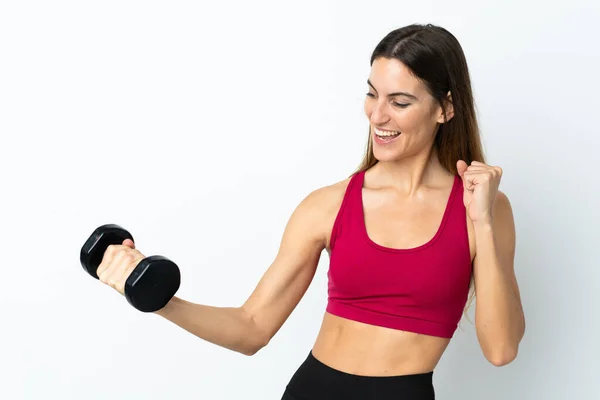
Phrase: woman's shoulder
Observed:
(322, 204)
(329, 197)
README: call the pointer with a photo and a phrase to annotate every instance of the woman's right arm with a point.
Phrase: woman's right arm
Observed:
(248, 328)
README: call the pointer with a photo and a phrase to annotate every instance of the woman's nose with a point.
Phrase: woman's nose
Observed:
(379, 114)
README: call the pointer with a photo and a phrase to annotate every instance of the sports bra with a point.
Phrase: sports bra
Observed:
(422, 289)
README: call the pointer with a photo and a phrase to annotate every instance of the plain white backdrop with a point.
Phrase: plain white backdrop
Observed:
(200, 127)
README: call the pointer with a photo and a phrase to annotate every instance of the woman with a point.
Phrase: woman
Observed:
(420, 223)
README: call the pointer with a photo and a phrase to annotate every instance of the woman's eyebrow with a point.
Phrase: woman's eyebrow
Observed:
(396, 93)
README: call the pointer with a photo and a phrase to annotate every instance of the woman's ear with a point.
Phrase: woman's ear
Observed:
(449, 109)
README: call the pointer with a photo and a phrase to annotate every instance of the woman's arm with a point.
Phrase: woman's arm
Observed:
(248, 328)
(228, 327)
(499, 317)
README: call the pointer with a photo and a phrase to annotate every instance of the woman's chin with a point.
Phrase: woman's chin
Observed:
(387, 154)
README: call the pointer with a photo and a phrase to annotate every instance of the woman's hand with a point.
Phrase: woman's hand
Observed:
(117, 264)
(480, 183)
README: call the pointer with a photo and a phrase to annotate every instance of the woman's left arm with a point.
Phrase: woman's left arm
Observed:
(499, 316)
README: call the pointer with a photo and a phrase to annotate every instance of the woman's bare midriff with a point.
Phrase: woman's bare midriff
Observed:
(367, 350)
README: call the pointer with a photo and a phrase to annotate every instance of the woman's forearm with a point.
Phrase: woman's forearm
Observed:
(228, 327)
(499, 316)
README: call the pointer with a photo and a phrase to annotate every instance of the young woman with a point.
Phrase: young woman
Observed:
(418, 225)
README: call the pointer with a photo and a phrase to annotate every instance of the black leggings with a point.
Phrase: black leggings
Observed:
(316, 381)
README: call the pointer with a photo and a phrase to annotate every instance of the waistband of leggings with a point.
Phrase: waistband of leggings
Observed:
(312, 361)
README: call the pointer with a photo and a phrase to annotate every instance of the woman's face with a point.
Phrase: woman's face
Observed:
(402, 113)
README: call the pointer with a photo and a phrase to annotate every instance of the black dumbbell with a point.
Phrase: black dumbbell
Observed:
(152, 283)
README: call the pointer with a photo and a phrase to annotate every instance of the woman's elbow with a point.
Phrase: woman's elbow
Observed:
(502, 356)
(253, 346)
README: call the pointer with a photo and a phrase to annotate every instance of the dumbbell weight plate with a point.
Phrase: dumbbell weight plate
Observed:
(157, 275)
(101, 238)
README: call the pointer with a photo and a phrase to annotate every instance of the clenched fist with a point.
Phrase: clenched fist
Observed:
(481, 182)
(117, 264)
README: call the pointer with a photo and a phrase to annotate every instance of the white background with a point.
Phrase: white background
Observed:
(200, 128)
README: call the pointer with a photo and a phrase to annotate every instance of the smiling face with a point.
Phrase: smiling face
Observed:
(403, 115)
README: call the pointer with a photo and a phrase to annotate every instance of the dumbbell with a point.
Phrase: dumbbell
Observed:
(152, 283)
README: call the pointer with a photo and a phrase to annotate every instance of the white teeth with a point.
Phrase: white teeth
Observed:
(385, 133)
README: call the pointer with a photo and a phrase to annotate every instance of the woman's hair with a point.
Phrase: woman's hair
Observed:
(435, 57)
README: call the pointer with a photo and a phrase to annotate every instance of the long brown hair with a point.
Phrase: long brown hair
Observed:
(435, 57)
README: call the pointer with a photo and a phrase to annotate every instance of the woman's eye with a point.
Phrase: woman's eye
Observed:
(399, 105)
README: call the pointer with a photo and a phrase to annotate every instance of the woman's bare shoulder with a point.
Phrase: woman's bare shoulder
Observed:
(329, 198)
(325, 203)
